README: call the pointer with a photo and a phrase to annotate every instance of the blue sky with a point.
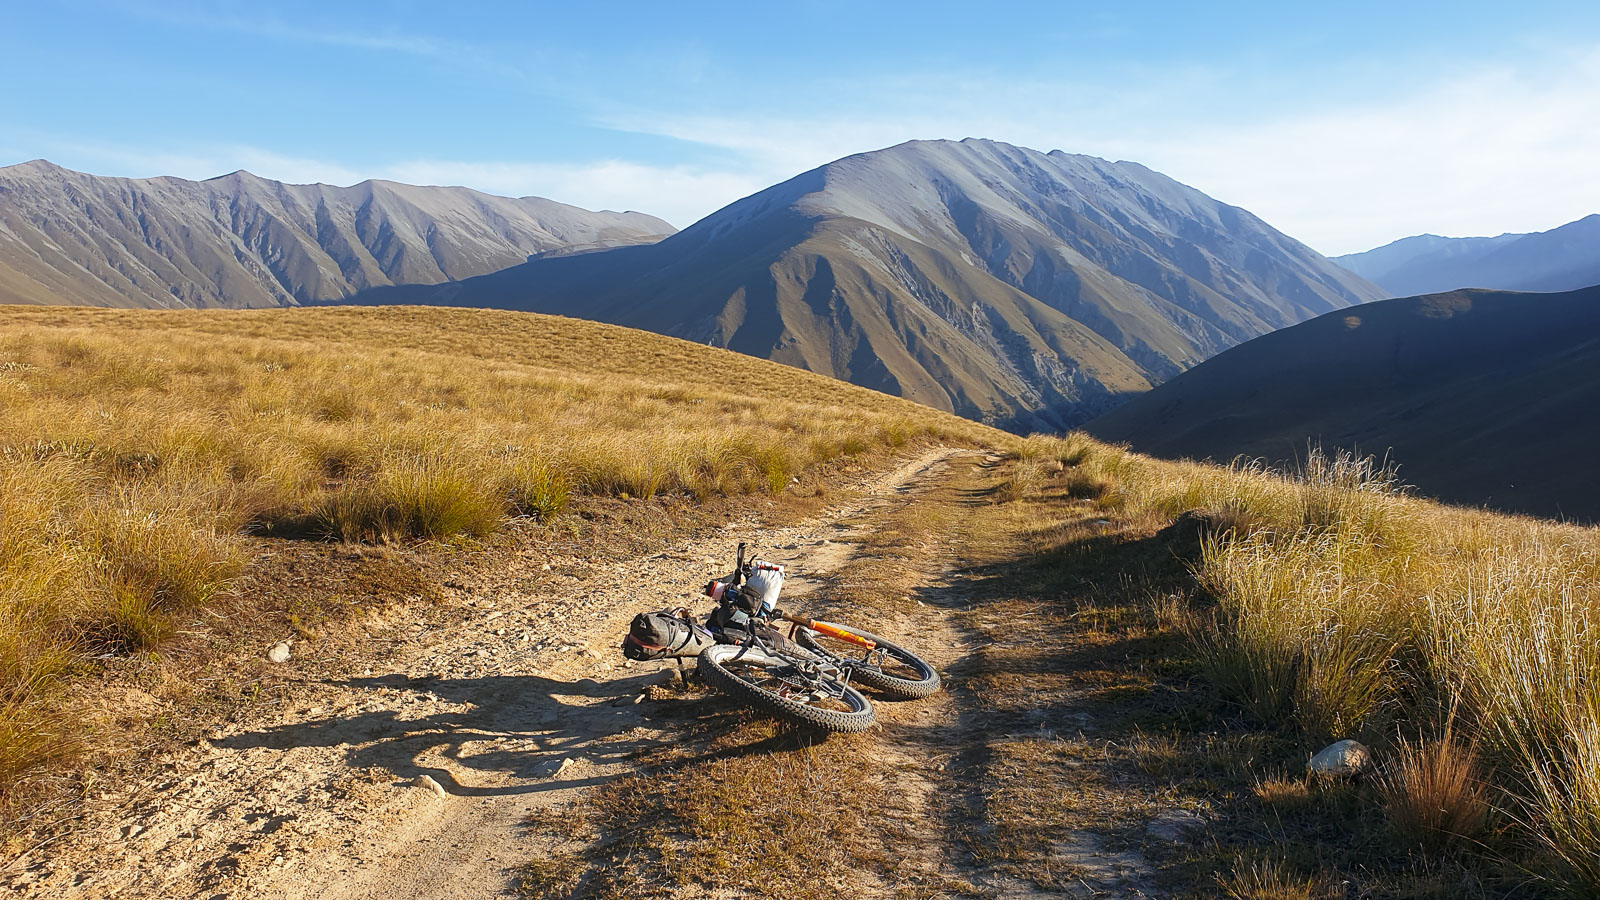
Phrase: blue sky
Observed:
(1345, 127)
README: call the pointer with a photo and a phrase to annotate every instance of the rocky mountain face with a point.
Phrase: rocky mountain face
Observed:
(1482, 397)
(243, 241)
(1028, 289)
(1561, 259)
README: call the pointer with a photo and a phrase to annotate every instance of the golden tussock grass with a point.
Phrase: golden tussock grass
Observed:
(1434, 792)
(1270, 880)
(136, 447)
(1343, 607)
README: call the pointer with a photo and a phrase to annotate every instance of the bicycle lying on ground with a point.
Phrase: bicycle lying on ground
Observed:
(808, 676)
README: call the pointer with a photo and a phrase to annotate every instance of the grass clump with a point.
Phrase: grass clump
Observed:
(414, 498)
(1433, 792)
(1268, 879)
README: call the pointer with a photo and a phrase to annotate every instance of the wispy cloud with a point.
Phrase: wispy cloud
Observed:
(679, 194)
(1478, 150)
(453, 53)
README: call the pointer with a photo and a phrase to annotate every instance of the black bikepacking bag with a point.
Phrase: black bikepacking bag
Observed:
(663, 635)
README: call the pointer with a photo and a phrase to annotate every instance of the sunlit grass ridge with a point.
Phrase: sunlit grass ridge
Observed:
(135, 448)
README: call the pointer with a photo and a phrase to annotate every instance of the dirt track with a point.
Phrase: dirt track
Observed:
(523, 706)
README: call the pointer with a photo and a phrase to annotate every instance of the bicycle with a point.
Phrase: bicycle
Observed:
(807, 677)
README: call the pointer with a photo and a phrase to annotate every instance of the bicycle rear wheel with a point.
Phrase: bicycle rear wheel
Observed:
(889, 667)
(776, 685)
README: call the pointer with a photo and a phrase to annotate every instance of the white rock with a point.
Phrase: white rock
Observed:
(1341, 759)
(279, 652)
(426, 781)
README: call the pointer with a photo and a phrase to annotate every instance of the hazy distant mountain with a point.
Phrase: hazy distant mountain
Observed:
(1484, 397)
(998, 282)
(243, 241)
(1561, 259)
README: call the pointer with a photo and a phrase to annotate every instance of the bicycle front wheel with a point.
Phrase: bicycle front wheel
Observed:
(774, 685)
(888, 667)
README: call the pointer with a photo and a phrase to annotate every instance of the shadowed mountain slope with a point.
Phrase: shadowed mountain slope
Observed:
(1561, 259)
(243, 241)
(1483, 397)
(1018, 287)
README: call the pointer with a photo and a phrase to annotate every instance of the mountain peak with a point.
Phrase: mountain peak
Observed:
(1024, 288)
(34, 165)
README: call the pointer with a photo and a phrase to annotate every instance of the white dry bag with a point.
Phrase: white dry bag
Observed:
(764, 584)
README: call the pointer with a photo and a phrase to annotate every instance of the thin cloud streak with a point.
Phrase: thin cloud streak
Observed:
(679, 194)
(1476, 152)
(451, 53)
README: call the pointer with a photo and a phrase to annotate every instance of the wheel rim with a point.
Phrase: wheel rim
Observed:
(883, 660)
(790, 686)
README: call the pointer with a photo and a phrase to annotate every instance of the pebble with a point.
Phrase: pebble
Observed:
(279, 652)
(426, 781)
(552, 768)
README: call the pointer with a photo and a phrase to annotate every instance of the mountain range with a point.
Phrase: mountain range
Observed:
(1561, 259)
(243, 241)
(1023, 288)
(1482, 397)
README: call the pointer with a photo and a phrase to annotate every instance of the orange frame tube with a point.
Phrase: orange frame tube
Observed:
(840, 633)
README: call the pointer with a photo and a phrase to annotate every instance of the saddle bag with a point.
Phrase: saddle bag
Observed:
(664, 635)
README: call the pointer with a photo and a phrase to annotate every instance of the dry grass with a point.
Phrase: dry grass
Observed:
(1281, 792)
(136, 447)
(745, 807)
(1434, 793)
(1270, 880)
(1343, 607)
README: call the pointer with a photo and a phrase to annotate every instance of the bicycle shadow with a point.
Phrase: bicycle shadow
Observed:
(507, 734)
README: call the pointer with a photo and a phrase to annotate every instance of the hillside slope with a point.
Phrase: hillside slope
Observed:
(1484, 397)
(1001, 283)
(149, 459)
(243, 241)
(1561, 259)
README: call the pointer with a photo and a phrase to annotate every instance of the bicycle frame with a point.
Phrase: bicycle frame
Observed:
(827, 628)
(814, 674)
(816, 671)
